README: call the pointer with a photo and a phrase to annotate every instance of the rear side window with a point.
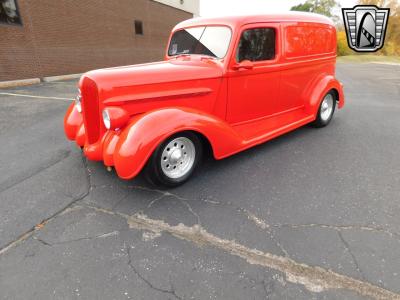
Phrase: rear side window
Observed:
(256, 44)
(309, 39)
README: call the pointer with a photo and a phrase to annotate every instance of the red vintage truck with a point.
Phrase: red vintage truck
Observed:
(226, 83)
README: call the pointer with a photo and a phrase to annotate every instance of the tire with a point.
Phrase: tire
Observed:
(174, 160)
(325, 111)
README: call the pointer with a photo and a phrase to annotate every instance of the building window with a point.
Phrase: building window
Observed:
(138, 27)
(9, 12)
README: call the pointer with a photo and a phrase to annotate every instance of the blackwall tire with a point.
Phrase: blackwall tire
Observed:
(174, 160)
(325, 111)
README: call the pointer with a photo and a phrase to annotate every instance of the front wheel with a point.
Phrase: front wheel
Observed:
(174, 160)
(325, 111)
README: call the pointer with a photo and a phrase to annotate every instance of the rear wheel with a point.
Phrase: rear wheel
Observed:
(174, 161)
(325, 111)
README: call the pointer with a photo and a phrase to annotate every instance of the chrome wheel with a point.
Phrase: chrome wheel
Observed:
(327, 107)
(178, 157)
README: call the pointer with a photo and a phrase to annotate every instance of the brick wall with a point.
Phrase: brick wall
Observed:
(74, 36)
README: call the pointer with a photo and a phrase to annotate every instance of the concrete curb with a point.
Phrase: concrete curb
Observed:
(385, 63)
(30, 81)
(15, 83)
(61, 77)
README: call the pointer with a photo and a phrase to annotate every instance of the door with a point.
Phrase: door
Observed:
(254, 76)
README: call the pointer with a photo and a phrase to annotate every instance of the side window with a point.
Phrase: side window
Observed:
(256, 45)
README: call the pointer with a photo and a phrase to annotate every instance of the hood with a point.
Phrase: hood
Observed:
(112, 81)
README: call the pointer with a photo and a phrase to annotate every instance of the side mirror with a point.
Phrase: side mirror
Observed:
(245, 64)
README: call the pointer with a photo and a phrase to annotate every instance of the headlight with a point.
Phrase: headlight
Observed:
(106, 119)
(78, 103)
(115, 117)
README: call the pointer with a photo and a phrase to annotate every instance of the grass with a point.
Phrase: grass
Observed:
(368, 58)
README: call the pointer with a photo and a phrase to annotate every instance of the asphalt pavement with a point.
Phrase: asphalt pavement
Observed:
(313, 214)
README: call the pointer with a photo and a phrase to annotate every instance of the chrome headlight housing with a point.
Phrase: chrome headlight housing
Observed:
(78, 102)
(106, 119)
(115, 117)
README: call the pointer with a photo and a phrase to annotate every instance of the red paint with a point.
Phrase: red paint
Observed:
(80, 136)
(109, 144)
(233, 105)
(72, 121)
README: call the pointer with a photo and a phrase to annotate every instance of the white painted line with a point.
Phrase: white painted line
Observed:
(38, 97)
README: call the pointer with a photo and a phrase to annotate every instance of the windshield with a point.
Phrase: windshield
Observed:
(204, 40)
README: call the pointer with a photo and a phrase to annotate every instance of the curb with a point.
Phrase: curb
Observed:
(61, 77)
(385, 63)
(22, 82)
(31, 81)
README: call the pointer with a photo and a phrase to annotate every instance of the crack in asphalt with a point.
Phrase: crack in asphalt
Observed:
(337, 228)
(259, 222)
(272, 235)
(315, 279)
(184, 201)
(262, 223)
(146, 281)
(86, 238)
(39, 226)
(42, 241)
(11, 182)
(270, 228)
(341, 228)
(156, 200)
(264, 226)
(251, 282)
(347, 246)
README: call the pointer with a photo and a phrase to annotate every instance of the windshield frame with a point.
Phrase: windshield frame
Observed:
(193, 54)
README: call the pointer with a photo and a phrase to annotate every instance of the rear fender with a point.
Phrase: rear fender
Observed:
(322, 87)
(145, 132)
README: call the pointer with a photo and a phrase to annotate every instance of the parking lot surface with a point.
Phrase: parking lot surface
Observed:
(313, 214)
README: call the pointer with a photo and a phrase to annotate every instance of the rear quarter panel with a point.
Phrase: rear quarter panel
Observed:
(309, 56)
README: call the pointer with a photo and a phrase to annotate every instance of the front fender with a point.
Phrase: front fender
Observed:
(321, 88)
(145, 132)
(72, 122)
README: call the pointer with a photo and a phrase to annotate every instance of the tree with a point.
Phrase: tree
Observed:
(307, 6)
(330, 7)
(323, 7)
